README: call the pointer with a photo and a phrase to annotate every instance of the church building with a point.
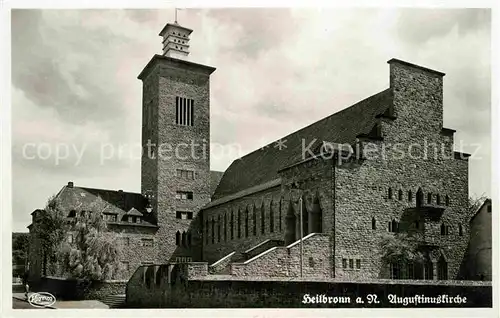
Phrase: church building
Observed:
(324, 201)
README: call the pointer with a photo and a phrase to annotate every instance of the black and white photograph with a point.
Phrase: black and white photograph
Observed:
(238, 157)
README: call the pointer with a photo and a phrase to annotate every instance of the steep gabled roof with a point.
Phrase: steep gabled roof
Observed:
(117, 202)
(262, 165)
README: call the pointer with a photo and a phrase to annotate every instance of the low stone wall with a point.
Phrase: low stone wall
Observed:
(221, 292)
(74, 289)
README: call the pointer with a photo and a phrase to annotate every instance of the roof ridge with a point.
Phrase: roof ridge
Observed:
(110, 190)
(320, 120)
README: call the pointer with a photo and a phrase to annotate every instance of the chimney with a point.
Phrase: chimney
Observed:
(175, 41)
(121, 191)
(70, 184)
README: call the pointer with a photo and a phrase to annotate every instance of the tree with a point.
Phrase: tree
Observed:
(400, 248)
(94, 252)
(20, 244)
(50, 229)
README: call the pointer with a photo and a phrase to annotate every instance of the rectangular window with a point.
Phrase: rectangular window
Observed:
(70, 238)
(185, 174)
(358, 264)
(184, 111)
(183, 259)
(126, 241)
(147, 263)
(184, 215)
(351, 263)
(184, 195)
(147, 242)
(126, 266)
(344, 263)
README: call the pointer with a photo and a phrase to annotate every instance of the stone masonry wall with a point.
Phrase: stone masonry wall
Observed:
(315, 179)
(362, 187)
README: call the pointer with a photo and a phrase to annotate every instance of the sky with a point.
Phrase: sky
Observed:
(75, 89)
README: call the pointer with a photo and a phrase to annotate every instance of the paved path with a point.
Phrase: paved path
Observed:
(19, 301)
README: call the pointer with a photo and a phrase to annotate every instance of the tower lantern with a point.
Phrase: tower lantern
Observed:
(175, 40)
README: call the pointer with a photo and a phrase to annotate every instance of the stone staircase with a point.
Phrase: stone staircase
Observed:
(240, 257)
(114, 301)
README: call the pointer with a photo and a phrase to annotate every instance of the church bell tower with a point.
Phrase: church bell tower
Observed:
(175, 164)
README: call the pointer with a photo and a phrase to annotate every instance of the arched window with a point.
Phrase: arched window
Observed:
(280, 226)
(254, 228)
(183, 238)
(400, 195)
(271, 217)
(443, 229)
(420, 197)
(447, 200)
(389, 193)
(429, 197)
(225, 227)
(206, 229)
(374, 223)
(262, 219)
(246, 222)
(178, 238)
(410, 196)
(218, 228)
(232, 225)
(239, 223)
(460, 230)
(213, 230)
(438, 199)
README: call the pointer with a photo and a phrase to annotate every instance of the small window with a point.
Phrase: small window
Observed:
(311, 262)
(147, 242)
(184, 195)
(374, 223)
(438, 199)
(393, 226)
(488, 209)
(344, 263)
(185, 174)
(417, 225)
(125, 241)
(460, 230)
(429, 198)
(389, 193)
(126, 266)
(138, 220)
(70, 238)
(351, 263)
(72, 214)
(178, 238)
(445, 229)
(410, 196)
(184, 215)
(447, 200)
(358, 264)
(400, 195)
